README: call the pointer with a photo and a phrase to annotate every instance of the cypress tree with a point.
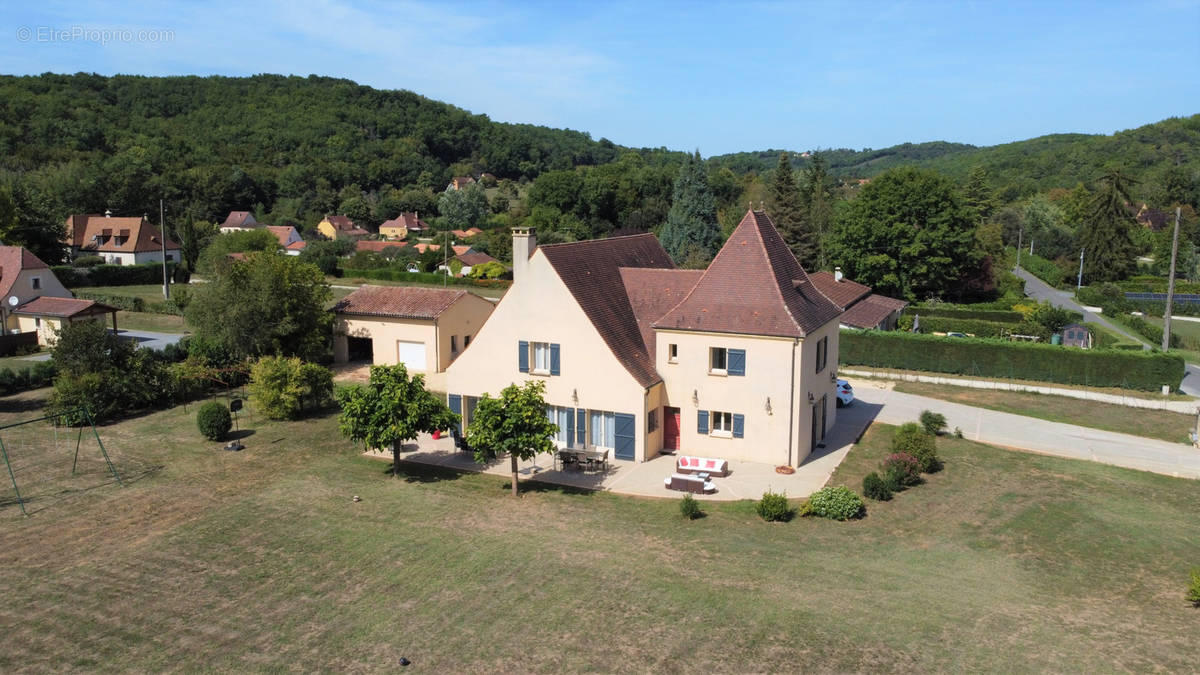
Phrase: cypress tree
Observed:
(691, 232)
(1107, 238)
(789, 215)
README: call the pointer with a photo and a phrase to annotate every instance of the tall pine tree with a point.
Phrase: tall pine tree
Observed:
(788, 214)
(1107, 239)
(691, 234)
(817, 200)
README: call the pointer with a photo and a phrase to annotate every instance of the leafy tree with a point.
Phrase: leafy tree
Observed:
(978, 194)
(268, 304)
(488, 270)
(241, 241)
(907, 234)
(1044, 229)
(100, 371)
(280, 387)
(692, 221)
(789, 215)
(194, 235)
(464, 208)
(29, 217)
(390, 409)
(514, 424)
(1107, 239)
(819, 202)
(325, 254)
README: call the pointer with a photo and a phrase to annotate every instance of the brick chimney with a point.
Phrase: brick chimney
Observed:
(524, 243)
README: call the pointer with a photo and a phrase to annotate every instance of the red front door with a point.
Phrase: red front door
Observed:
(670, 428)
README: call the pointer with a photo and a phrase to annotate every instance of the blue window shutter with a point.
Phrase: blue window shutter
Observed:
(739, 425)
(554, 364)
(702, 422)
(580, 426)
(570, 414)
(523, 356)
(456, 408)
(737, 362)
(624, 441)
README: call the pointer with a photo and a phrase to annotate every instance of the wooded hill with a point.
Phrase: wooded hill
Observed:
(1021, 168)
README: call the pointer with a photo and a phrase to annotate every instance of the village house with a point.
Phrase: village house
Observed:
(460, 182)
(340, 227)
(423, 328)
(238, 221)
(402, 225)
(862, 309)
(33, 301)
(119, 241)
(736, 361)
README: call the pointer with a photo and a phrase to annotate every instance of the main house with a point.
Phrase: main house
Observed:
(736, 361)
(119, 241)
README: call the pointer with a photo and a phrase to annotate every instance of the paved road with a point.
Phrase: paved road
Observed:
(1040, 436)
(1040, 290)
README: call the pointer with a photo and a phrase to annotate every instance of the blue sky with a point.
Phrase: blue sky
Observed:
(720, 77)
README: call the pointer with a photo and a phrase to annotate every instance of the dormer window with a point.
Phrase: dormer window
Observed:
(36, 282)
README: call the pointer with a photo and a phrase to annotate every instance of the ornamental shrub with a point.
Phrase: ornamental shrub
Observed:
(690, 508)
(837, 503)
(1193, 594)
(876, 488)
(934, 423)
(902, 469)
(774, 507)
(911, 439)
(280, 387)
(213, 420)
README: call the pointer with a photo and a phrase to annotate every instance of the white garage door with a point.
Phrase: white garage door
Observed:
(411, 354)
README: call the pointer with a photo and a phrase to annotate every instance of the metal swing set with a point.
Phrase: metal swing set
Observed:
(78, 441)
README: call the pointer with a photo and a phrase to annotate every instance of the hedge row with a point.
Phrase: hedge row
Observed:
(1002, 315)
(112, 275)
(976, 327)
(1016, 360)
(132, 303)
(392, 274)
(40, 374)
(1145, 284)
(1043, 269)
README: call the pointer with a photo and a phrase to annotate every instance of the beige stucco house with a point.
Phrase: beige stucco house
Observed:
(32, 300)
(426, 329)
(736, 361)
(340, 227)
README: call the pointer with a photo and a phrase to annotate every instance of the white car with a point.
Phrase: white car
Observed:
(845, 394)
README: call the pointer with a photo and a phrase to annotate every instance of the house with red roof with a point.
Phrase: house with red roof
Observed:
(423, 328)
(402, 225)
(737, 361)
(238, 221)
(119, 241)
(861, 309)
(340, 227)
(33, 301)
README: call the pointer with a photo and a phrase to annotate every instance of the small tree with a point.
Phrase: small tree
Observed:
(213, 420)
(933, 423)
(514, 424)
(280, 386)
(390, 409)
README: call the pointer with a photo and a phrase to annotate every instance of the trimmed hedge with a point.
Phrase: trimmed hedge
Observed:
(129, 303)
(1043, 269)
(1001, 315)
(112, 275)
(393, 274)
(1148, 371)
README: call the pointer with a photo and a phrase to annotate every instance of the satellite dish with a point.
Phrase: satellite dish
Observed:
(12, 300)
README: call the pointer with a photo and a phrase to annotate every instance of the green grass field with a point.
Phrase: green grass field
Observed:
(260, 560)
(1161, 424)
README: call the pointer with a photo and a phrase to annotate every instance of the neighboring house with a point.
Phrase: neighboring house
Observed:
(33, 300)
(466, 234)
(377, 245)
(1077, 335)
(340, 227)
(76, 227)
(423, 328)
(737, 361)
(402, 225)
(238, 221)
(287, 235)
(295, 248)
(862, 308)
(120, 241)
(471, 259)
(460, 182)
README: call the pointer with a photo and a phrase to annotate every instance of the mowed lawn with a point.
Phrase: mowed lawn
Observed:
(211, 560)
(1161, 424)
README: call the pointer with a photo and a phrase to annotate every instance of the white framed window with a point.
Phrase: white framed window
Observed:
(36, 282)
(541, 357)
(672, 353)
(602, 430)
(721, 424)
(559, 415)
(718, 360)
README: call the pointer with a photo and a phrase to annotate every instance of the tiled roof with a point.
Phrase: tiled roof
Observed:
(297, 245)
(76, 226)
(341, 222)
(754, 286)
(466, 234)
(64, 307)
(13, 259)
(591, 272)
(377, 246)
(841, 293)
(654, 292)
(283, 233)
(141, 236)
(400, 302)
(408, 220)
(472, 258)
(871, 310)
(239, 219)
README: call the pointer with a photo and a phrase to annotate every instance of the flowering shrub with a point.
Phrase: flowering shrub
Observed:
(838, 503)
(911, 439)
(901, 469)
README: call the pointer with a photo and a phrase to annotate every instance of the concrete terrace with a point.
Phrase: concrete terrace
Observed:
(746, 480)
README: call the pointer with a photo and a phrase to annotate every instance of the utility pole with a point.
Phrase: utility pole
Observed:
(1079, 279)
(1020, 231)
(1166, 343)
(162, 235)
